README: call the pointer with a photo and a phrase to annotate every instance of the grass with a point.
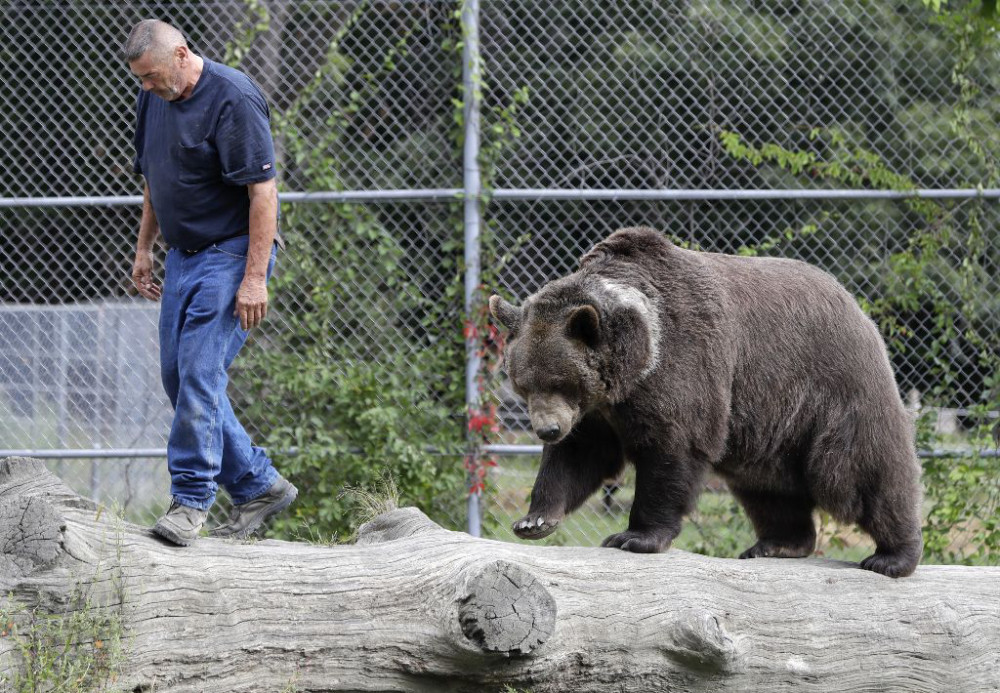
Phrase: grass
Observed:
(307, 534)
(370, 503)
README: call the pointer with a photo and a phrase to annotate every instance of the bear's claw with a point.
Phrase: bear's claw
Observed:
(535, 526)
(773, 549)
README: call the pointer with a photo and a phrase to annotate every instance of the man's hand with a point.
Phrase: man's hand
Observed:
(251, 302)
(142, 275)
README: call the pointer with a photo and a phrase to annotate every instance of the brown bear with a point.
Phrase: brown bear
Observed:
(764, 370)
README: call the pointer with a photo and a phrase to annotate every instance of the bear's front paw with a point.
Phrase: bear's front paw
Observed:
(535, 526)
(638, 542)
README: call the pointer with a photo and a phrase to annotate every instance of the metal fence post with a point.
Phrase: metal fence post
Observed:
(472, 183)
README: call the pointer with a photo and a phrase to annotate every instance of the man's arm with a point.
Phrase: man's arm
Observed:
(251, 299)
(142, 267)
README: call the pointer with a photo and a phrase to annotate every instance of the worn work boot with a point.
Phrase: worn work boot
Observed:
(245, 519)
(181, 524)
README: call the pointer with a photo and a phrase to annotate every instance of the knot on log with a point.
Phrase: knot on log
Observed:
(699, 641)
(507, 610)
(395, 524)
(30, 535)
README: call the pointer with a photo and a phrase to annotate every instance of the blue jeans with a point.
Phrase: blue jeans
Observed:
(199, 338)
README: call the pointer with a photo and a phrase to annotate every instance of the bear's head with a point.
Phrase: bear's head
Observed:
(570, 351)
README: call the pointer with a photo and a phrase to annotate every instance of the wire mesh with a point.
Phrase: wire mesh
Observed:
(366, 96)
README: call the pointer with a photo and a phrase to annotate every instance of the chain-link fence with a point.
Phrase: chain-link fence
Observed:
(677, 115)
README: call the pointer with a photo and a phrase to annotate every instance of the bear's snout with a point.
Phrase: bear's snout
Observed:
(552, 416)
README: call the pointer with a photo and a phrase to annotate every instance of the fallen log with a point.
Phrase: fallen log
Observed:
(414, 607)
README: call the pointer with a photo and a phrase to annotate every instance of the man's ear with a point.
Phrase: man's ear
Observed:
(504, 313)
(585, 325)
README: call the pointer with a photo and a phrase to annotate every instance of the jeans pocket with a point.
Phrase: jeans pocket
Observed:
(230, 253)
(235, 247)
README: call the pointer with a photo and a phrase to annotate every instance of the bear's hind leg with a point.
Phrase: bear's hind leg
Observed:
(783, 523)
(895, 527)
(885, 497)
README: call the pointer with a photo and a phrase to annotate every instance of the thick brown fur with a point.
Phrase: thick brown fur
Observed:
(763, 370)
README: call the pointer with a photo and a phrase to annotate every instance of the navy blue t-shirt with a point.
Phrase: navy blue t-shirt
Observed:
(198, 155)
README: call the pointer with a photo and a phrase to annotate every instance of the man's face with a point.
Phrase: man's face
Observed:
(161, 75)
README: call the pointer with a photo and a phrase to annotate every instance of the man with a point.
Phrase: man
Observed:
(203, 145)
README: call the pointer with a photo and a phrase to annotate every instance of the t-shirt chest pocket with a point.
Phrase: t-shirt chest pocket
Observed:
(198, 162)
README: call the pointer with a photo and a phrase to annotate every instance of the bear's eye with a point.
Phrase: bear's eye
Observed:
(510, 366)
(566, 389)
(514, 385)
(569, 391)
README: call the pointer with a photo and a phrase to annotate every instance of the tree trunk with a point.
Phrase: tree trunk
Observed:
(414, 607)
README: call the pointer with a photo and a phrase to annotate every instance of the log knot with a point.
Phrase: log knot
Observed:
(507, 610)
(699, 641)
(401, 523)
(30, 535)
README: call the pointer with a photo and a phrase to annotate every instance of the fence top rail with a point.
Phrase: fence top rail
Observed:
(546, 194)
(435, 194)
(739, 194)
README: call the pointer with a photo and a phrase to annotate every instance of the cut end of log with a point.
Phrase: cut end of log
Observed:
(507, 610)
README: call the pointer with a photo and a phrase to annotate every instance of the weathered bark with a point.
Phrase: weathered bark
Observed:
(413, 607)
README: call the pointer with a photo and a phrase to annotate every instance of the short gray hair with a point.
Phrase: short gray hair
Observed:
(151, 34)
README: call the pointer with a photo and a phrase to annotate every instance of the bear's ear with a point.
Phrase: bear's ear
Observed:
(504, 313)
(585, 325)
